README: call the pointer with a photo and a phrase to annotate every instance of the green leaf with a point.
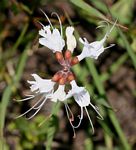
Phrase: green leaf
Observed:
(88, 9)
(8, 91)
(128, 47)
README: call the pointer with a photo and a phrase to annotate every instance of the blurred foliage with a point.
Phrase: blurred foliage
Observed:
(18, 33)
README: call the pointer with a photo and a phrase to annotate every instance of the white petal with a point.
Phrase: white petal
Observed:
(59, 94)
(56, 33)
(69, 31)
(82, 98)
(42, 41)
(43, 85)
(80, 94)
(94, 49)
(71, 41)
(53, 40)
(85, 42)
(42, 33)
(47, 29)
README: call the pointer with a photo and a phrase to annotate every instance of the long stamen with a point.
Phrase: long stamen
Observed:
(25, 99)
(109, 46)
(100, 26)
(30, 108)
(34, 114)
(66, 107)
(80, 117)
(39, 107)
(96, 109)
(108, 26)
(72, 116)
(113, 26)
(61, 31)
(108, 32)
(89, 120)
(44, 120)
(41, 104)
(47, 18)
(41, 24)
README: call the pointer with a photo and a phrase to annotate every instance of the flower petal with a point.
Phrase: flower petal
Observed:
(82, 98)
(59, 94)
(71, 41)
(43, 85)
(80, 94)
(94, 49)
(53, 40)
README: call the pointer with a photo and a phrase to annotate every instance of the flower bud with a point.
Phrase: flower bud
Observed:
(74, 61)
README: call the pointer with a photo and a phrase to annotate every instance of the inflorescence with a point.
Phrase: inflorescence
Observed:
(52, 38)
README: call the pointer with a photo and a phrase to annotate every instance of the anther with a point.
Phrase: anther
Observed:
(74, 61)
(57, 76)
(59, 57)
(67, 54)
(62, 81)
(70, 77)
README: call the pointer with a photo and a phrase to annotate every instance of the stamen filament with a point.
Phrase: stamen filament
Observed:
(109, 46)
(47, 18)
(30, 108)
(40, 104)
(39, 107)
(89, 120)
(40, 24)
(61, 31)
(70, 120)
(25, 99)
(96, 109)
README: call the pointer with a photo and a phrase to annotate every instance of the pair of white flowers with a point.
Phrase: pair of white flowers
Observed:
(52, 38)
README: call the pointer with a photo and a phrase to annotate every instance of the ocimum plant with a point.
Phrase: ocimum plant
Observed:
(52, 38)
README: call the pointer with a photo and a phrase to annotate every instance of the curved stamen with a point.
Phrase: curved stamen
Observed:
(30, 108)
(100, 26)
(61, 31)
(40, 104)
(106, 24)
(25, 99)
(47, 18)
(96, 109)
(71, 113)
(40, 124)
(108, 32)
(80, 117)
(34, 114)
(39, 107)
(40, 23)
(70, 120)
(113, 26)
(90, 120)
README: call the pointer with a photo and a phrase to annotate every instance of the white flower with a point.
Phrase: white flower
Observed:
(53, 40)
(82, 97)
(71, 41)
(41, 85)
(59, 94)
(43, 89)
(94, 49)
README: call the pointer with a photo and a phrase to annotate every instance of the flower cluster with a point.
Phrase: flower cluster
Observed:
(53, 39)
